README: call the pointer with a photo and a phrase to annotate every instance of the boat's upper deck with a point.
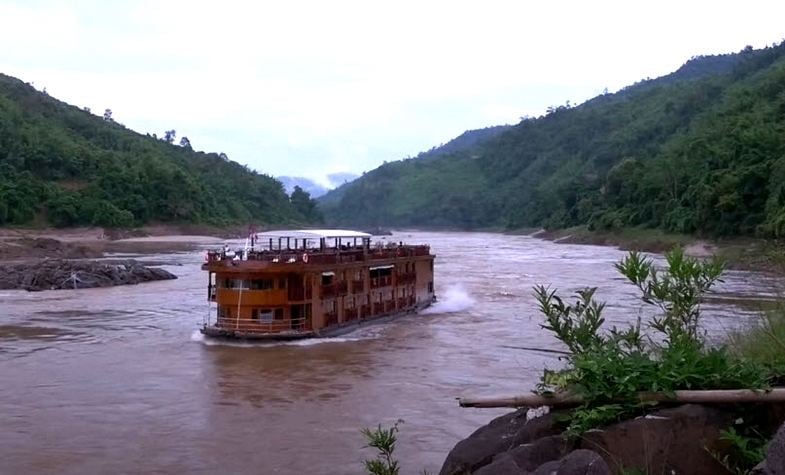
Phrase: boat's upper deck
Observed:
(284, 250)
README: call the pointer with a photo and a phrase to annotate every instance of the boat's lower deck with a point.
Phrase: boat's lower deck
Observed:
(226, 332)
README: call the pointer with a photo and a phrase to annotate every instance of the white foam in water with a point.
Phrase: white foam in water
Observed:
(454, 299)
(198, 337)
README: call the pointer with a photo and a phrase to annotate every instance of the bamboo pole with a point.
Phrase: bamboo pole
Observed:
(716, 396)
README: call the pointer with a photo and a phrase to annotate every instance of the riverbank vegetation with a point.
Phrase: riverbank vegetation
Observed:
(610, 368)
(64, 166)
(700, 151)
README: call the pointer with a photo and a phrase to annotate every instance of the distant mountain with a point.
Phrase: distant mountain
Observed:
(64, 166)
(465, 142)
(307, 185)
(315, 189)
(700, 150)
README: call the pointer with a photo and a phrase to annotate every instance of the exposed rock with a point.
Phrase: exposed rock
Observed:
(530, 456)
(500, 435)
(676, 440)
(548, 468)
(774, 463)
(54, 274)
(527, 457)
(583, 462)
(504, 465)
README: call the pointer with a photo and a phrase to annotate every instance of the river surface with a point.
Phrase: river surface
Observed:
(119, 380)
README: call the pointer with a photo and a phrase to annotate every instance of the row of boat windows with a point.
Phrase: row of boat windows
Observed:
(327, 279)
(260, 314)
(252, 284)
(353, 302)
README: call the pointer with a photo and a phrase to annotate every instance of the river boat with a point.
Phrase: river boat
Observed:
(313, 283)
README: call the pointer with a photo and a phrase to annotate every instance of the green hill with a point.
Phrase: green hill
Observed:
(63, 165)
(701, 150)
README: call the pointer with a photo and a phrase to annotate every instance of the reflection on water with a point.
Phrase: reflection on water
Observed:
(119, 379)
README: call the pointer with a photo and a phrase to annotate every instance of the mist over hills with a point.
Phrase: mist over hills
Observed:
(313, 188)
(700, 150)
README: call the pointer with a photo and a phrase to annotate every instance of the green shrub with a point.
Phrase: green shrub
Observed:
(383, 440)
(608, 369)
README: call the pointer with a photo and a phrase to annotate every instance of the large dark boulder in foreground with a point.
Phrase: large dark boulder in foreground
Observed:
(500, 435)
(674, 440)
(52, 274)
(774, 463)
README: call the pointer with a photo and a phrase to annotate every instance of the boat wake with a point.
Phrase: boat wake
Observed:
(198, 337)
(454, 299)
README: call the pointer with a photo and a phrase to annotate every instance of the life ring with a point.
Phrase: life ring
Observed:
(305, 258)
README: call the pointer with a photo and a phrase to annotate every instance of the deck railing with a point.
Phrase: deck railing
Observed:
(327, 256)
(272, 326)
(377, 282)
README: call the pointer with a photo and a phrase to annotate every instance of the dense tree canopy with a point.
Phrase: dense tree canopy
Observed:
(701, 150)
(64, 166)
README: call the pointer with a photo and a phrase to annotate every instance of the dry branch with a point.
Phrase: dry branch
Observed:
(717, 396)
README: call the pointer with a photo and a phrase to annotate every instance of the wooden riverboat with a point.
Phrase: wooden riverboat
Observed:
(313, 283)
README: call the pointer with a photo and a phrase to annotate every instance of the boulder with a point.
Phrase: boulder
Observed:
(500, 435)
(501, 466)
(51, 274)
(774, 463)
(675, 440)
(527, 457)
(582, 462)
(532, 455)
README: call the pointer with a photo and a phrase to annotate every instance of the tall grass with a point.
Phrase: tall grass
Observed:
(764, 342)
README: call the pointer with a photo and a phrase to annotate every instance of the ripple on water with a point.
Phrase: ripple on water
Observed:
(133, 384)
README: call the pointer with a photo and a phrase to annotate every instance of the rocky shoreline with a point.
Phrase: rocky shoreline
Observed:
(682, 439)
(54, 274)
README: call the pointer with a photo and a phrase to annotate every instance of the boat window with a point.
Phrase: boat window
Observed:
(262, 284)
(279, 314)
(281, 283)
(236, 284)
(430, 287)
(262, 314)
(350, 303)
(327, 278)
(381, 272)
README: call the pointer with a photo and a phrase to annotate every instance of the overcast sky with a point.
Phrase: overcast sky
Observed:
(310, 88)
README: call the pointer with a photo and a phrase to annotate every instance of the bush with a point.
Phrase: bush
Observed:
(667, 354)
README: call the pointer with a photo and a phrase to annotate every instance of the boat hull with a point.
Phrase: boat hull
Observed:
(327, 332)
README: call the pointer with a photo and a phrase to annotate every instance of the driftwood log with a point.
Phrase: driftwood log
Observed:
(716, 396)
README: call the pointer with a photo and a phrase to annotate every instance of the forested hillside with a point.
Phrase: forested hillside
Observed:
(466, 143)
(701, 151)
(65, 166)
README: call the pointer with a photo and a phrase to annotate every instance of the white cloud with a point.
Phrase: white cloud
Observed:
(310, 87)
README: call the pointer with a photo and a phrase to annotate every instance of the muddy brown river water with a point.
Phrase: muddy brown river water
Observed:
(119, 380)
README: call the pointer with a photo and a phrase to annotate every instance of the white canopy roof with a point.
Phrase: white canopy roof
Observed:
(313, 234)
